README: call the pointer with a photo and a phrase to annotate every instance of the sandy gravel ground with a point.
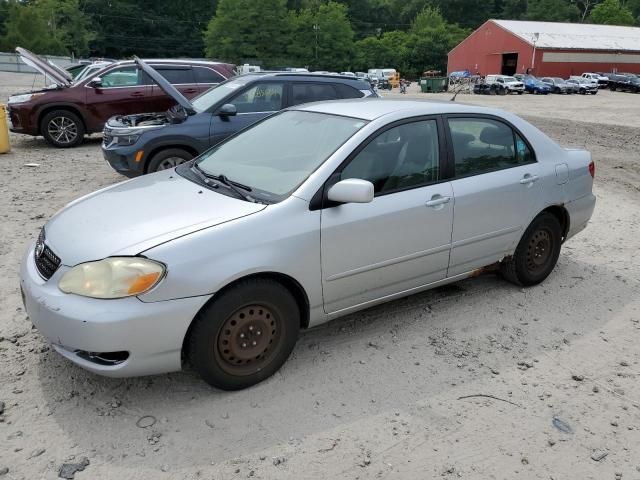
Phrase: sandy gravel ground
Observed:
(379, 394)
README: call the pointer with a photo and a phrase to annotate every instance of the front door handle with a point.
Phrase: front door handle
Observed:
(529, 179)
(137, 94)
(437, 200)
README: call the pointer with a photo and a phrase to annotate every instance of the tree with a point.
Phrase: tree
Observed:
(148, 28)
(432, 39)
(67, 23)
(611, 12)
(513, 9)
(322, 37)
(27, 27)
(552, 11)
(246, 30)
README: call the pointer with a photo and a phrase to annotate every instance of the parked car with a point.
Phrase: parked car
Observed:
(583, 87)
(624, 82)
(601, 79)
(510, 84)
(90, 70)
(535, 86)
(310, 214)
(64, 112)
(558, 85)
(482, 88)
(148, 142)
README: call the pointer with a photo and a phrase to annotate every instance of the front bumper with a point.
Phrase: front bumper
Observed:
(20, 120)
(151, 333)
(123, 159)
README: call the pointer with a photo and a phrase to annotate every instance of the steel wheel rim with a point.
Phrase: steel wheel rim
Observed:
(170, 162)
(63, 130)
(539, 251)
(248, 339)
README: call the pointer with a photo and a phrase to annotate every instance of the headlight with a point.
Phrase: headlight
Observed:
(23, 98)
(126, 139)
(113, 277)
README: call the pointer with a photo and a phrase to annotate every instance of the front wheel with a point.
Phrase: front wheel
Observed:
(62, 129)
(169, 158)
(245, 335)
(537, 253)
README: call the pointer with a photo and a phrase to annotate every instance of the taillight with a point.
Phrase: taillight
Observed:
(592, 169)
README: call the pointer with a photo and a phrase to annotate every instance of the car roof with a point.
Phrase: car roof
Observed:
(173, 61)
(298, 75)
(371, 109)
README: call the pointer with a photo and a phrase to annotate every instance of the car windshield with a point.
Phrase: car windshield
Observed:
(276, 155)
(509, 79)
(558, 80)
(207, 99)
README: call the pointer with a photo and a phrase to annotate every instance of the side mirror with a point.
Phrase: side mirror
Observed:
(96, 82)
(352, 190)
(228, 110)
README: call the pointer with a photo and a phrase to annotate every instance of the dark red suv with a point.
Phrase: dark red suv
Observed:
(65, 111)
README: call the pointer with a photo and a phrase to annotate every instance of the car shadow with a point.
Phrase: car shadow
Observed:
(388, 357)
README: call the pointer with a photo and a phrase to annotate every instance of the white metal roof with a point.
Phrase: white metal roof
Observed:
(579, 36)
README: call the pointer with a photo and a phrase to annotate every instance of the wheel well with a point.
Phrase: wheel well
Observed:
(563, 217)
(186, 148)
(288, 282)
(61, 107)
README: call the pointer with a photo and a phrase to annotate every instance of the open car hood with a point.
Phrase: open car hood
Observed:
(166, 86)
(60, 76)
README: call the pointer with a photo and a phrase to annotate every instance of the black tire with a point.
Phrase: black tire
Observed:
(254, 305)
(62, 129)
(168, 158)
(520, 93)
(536, 254)
(583, 91)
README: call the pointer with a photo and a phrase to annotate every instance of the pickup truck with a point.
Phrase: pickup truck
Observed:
(602, 80)
(510, 84)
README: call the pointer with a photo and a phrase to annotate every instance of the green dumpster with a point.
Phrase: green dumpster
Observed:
(433, 84)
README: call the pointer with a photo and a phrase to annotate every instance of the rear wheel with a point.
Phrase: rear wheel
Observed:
(245, 335)
(169, 158)
(536, 254)
(62, 129)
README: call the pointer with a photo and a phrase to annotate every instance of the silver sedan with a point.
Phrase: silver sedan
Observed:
(313, 213)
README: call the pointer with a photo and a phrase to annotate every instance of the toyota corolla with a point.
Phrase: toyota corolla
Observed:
(313, 213)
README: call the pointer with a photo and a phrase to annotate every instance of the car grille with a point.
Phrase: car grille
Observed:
(106, 139)
(47, 262)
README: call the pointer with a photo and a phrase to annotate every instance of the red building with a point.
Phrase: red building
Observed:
(547, 49)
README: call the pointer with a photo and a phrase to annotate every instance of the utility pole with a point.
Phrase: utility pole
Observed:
(316, 28)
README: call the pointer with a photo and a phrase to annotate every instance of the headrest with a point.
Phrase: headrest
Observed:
(496, 136)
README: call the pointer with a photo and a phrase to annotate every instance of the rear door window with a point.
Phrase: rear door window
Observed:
(263, 97)
(176, 76)
(207, 75)
(482, 145)
(312, 92)
(347, 91)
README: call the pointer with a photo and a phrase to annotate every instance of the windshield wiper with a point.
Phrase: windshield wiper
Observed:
(222, 179)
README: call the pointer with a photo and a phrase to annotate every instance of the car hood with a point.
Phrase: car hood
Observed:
(133, 216)
(166, 86)
(60, 76)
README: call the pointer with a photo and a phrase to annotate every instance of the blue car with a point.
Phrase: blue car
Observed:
(148, 142)
(535, 86)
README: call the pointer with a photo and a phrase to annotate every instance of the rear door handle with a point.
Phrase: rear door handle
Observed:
(437, 200)
(529, 179)
(190, 90)
(137, 94)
